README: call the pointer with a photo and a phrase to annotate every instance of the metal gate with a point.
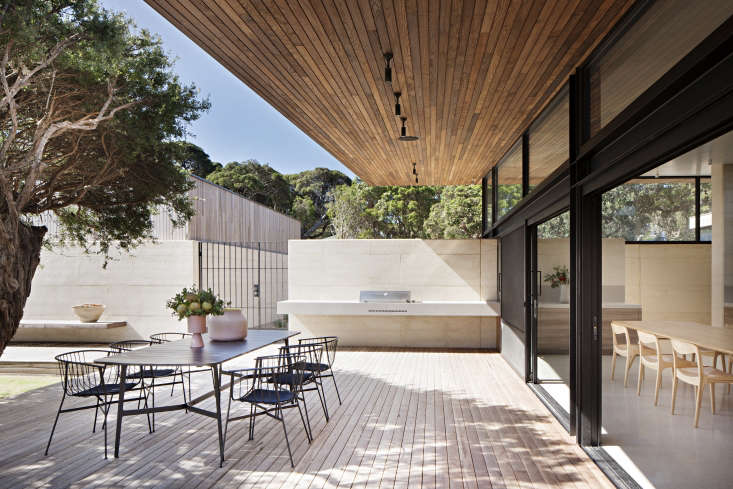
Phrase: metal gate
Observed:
(249, 276)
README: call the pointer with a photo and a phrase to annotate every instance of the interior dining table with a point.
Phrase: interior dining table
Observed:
(700, 334)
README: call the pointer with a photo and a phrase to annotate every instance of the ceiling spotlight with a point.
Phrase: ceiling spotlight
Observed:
(397, 107)
(403, 132)
(388, 68)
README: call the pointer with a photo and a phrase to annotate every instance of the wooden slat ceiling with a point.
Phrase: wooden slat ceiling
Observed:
(473, 73)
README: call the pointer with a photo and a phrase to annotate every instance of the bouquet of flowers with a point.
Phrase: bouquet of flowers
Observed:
(558, 277)
(195, 302)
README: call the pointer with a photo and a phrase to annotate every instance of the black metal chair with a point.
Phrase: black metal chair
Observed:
(151, 377)
(269, 388)
(83, 378)
(323, 369)
(176, 336)
(167, 337)
(312, 355)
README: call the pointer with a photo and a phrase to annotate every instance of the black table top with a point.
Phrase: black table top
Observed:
(179, 352)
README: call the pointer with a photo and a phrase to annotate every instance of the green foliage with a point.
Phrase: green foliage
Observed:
(457, 215)
(401, 212)
(257, 182)
(196, 160)
(557, 227)
(312, 193)
(347, 211)
(649, 211)
(195, 302)
(108, 160)
(362, 211)
(508, 195)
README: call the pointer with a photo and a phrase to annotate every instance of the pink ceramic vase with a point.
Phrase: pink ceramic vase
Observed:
(196, 326)
(231, 326)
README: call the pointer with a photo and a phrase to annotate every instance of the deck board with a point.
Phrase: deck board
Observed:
(410, 418)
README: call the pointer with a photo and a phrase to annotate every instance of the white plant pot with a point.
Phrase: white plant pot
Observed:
(231, 326)
(564, 294)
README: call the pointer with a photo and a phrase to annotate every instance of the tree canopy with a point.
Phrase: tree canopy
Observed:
(257, 182)
(196, 160)
(90, 111)
(312, 189)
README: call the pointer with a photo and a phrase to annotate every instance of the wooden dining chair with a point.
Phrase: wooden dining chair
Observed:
(625, 350)
(651, 356)
(699, 375)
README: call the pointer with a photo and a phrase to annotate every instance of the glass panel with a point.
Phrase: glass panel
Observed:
(552, 328)
(549, 140)
(706, 210)
(509, 180)
(660, 38)
(488, 198)
(650, 210)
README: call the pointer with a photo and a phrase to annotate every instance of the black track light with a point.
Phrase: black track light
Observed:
(388, 68)
(414, 169)
(416, 180)
(397, 107)
(403, 132)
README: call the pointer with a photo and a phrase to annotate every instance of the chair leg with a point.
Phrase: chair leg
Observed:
(626, 372)
(333, 377)
(613, 364)
(712, 397)
(106, 411)
(252, 412)
(54, 423)
(657, 386)
(96, 409)
(307, 418)
(674, 390)
(152, 397)
(308, 434)
(698, 403)
(639, 380)
(321, 397)
(285, 430)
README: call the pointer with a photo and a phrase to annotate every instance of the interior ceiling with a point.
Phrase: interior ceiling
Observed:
(699, 160)
(473, 73)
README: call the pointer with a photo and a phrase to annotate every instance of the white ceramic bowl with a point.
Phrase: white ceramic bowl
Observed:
(88, 313)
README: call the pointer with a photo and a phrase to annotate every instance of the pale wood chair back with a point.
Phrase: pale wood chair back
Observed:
(620, 330)
(680, 348)
(648, 343)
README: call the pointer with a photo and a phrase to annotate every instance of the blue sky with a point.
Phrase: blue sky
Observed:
(240, 125)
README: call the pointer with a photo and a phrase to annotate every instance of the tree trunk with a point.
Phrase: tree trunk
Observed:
(20, 253)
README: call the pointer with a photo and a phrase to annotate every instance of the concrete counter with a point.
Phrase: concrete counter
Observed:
(356, 308)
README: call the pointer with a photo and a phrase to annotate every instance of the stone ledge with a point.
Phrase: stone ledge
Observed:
(62, 324)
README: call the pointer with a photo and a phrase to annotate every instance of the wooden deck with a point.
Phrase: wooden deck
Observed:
(409, 419)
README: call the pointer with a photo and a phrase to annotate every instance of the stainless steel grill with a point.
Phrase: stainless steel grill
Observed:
(384, 296)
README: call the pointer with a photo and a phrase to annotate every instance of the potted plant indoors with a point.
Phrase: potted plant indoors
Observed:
(195, 304)
(560, 278)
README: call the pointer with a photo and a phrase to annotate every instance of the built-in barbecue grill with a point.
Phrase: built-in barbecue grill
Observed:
(384, 296)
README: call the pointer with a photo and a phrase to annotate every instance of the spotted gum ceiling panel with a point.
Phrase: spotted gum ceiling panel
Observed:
(473, 73)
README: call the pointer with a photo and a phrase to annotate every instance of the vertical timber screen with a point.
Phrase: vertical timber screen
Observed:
(249, 276)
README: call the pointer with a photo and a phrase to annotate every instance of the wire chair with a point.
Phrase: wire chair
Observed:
(324, 369)
(312, 355)
(269, 388)
(83, 378)
(168, 337)
(151, 377)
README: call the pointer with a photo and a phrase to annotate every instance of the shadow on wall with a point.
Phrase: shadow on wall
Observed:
(378, 432)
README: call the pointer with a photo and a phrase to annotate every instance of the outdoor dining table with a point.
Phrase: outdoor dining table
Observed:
(700, 334)
(180, 354)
